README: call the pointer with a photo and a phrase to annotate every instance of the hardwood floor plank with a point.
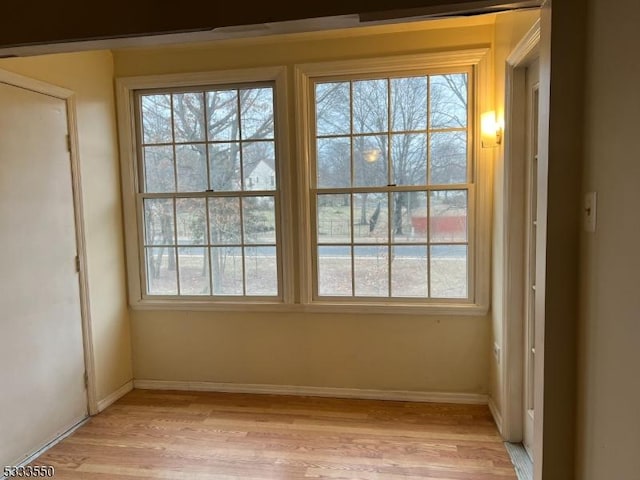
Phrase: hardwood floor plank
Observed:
(216, 436)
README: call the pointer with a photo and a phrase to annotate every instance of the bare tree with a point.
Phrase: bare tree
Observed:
(216, 126)
(391, 122)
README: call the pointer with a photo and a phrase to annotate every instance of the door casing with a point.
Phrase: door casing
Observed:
(515, 164)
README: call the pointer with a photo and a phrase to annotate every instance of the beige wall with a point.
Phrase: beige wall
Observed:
(90, 76)
(348, 351)
(400, 352)
(608, 380)
(509, 30)
(299, 48)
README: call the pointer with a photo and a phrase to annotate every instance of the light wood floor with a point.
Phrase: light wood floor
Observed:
(177, 435)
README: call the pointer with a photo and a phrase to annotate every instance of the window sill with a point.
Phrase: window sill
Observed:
(434, 309)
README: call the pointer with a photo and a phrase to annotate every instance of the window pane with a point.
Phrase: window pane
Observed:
(371, 214)
(224, 161)
(256, 113)
(158, 221)
(334, 162)
(161, 271)
(334, 271)
(449, 101)
(333, 116)
(370, 109)
(259, 220)
(156, 119)
(226, 270)
(448, 157)
(223, 122)
(371, 271)
(192, 168)
(159, 174)
(194, 271)
(188, 117)
(334, 219)
(224, 218)
(449, 271)
(409, 217)
(409, 104)
(261, 271)
(409, 159)
(448, 210)
(259, 165)
(409, 272)
(191, 223)
(370, 161)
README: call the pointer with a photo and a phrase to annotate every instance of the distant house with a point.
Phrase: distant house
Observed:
(261, 177)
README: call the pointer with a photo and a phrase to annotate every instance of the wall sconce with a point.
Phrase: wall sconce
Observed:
(371, 155)
(491, 130)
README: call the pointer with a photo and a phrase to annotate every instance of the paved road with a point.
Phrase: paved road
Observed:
(439, 251)
(417, 251)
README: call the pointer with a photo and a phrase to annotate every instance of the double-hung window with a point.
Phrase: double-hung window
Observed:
(392, 186)
(392, 177)
(386, 202)
(208, 192)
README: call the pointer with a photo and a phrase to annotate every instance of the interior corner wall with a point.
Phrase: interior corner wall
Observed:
(560, 163)
(608, 420)
(90, 76)
(510, 28)
(354, 351)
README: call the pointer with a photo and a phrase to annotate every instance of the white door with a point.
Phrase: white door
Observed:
(532, 84)
(42, 371)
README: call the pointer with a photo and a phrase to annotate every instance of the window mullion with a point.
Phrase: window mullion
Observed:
(351, 248)
(390, 180)
(351, 196)
(389, 240)
(428, 180)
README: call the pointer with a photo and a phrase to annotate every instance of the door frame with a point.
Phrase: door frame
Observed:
(69, 98)
(515, 231)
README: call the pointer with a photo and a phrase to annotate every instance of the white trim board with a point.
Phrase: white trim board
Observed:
(511, 380)
(115, 396)
(365, 394)
(495, 413)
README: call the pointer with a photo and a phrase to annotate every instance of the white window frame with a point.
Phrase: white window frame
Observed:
(479, 206)
(294, 180)
(126, 89)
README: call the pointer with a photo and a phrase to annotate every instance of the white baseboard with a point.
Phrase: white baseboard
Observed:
(398, 395)
(115, 396)
(496, 414)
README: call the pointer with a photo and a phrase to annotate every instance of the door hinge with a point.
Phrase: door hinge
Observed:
(86, 380)
(69, 143)
(77, 264)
